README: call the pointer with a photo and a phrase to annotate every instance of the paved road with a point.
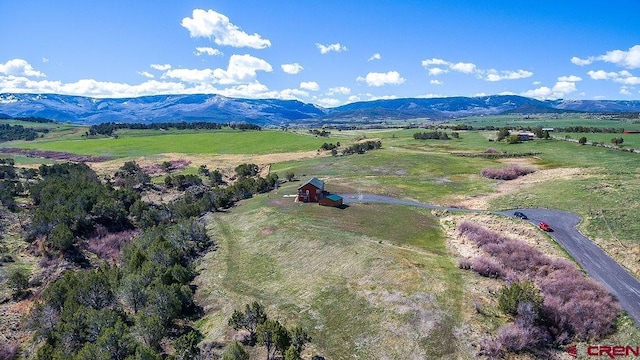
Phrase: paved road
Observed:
(598, 264)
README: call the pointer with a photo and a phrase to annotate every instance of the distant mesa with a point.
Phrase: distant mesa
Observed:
(278, 113)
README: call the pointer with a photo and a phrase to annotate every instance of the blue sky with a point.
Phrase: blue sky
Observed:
(323, 52)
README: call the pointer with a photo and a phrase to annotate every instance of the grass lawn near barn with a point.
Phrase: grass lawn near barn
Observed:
(362, 288)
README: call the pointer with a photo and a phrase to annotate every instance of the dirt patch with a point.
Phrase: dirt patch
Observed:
(212, 161)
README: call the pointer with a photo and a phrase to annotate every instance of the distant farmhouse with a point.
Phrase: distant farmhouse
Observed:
(526, 135)
(312, 190)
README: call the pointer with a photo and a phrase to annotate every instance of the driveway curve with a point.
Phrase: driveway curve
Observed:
(593, 260)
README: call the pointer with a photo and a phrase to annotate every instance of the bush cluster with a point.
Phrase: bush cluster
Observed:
(70, 202)
(271, 334)
(436, 135)
(571, 306)
(322, 132)
(10, 184)
(18, 132)
(329, 146)
(117, 312)
(506, 173)
(362, 147)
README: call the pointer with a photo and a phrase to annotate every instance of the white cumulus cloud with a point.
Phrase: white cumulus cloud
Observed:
(328, 102)
(622, 77)
(434, 61)
(205, 50)
(332, 47)
(629, 59)
(292, 94)
(375, 56)
(436, 71)
(625, 91)
(467, 68)
(310, 85)
(542, 92)
(191, 75)
(602, 75)
(436, 66)
(293, 68)
(211, 24)
(146, 74)
(19, 67)
(495, 75)
(571, 78)
(562, 88)
(380, 79)
(339, 90)
(241, 69)
(436, 82)
(161, 67)
(564, 85)
(582, 62)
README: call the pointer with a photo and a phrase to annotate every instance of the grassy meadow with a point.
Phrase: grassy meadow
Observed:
(205, 142)
(361, 287)
(551, 120)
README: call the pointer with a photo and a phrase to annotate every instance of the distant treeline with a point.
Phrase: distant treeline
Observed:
(18, 132)
(437, 135)
(585, 129)
(34, 119)
(361, 148)
(108, 129)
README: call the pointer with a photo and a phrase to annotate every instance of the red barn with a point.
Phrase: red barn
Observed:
(331, 200)
(311, 191)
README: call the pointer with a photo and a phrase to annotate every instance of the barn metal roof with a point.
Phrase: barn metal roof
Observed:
(334, 197)
(315, 182)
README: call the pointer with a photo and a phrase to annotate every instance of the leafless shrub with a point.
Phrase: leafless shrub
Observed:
(465, 264)
(491, 151)
(516, 338)
(507, 173)
(107, 246)
(487, 267)
(479, 235)
(574, 308)
(491, 348)
(8, 351)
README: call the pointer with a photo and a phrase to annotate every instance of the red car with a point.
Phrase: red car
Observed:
(544, 226)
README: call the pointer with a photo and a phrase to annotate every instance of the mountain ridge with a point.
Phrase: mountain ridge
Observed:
(278, 112)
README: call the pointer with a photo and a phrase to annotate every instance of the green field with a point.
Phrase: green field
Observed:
(550, 120)
(630, 140)
(204, 142)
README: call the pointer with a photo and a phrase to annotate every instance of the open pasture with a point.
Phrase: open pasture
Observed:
(204, 142)
(550, 120)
